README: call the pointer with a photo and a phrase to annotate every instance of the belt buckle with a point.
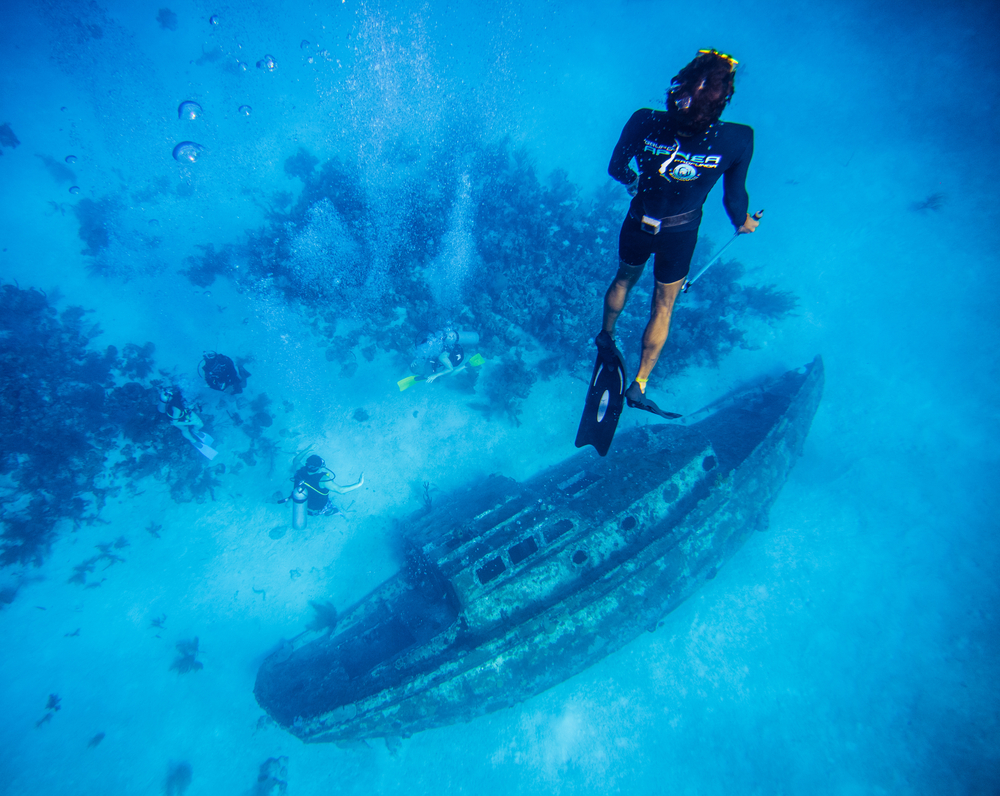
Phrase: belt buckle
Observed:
(650, 224)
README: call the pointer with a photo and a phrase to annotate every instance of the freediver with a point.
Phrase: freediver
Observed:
(680, 153)
(318, 482)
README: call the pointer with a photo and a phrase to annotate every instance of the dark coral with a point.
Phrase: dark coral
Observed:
(63, 409)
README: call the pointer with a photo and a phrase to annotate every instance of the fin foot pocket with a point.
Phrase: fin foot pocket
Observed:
(637, 400)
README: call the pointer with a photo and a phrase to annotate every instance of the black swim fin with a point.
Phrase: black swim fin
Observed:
(605, 397)
(638, 400)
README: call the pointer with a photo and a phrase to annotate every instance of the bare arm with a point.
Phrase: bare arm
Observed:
(343, 490)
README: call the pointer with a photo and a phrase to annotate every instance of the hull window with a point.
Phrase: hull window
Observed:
(522, 550)
(628, 523)
(490, 570)
(579, 557)
(557, 530)
(579, 482)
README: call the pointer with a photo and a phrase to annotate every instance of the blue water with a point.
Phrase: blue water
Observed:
(850, 649)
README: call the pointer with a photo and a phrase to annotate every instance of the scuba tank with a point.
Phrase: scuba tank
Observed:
(299, 501)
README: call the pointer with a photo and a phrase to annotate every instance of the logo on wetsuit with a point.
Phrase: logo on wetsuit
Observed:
(684, 165)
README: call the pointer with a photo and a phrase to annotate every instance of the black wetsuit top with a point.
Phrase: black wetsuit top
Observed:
(318, 495)
(220, 373)
(676, 172)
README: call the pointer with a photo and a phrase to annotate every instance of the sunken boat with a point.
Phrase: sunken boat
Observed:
(510, 588)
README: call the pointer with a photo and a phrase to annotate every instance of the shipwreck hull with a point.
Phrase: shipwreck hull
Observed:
(509, 589)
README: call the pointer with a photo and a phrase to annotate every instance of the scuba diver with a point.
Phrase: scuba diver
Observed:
(680, 154)
(441, 353)
(183, 418)
(317, 480)
(221, 373)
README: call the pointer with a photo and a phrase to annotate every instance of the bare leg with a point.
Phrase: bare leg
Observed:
(657, 329)
(617, 295)
(189, 427)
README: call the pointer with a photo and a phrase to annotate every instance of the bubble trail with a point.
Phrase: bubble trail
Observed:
(267, 63)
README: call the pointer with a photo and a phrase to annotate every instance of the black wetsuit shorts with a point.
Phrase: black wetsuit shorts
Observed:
(673, 250)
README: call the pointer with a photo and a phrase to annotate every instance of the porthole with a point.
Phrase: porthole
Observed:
(629, 523)
(579, 557)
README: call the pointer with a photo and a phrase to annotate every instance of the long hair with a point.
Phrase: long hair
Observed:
(701, 90)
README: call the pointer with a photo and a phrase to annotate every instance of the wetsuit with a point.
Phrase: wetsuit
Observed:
(319, 501)
(220, 373)
(676, 174)
(428, 353)
(174, 407)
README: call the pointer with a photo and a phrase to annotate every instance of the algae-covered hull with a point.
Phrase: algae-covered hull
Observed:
(509, 588)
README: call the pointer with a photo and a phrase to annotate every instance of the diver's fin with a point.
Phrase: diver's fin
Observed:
(637, 400)
(409, 381)
(204, 437)
(476, 361)
(204, 450)
(605, 397)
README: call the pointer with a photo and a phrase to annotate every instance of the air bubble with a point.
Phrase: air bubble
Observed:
(187, 151)
(71, 159)
(213, 20)
(189, 110)
(267, 63)
(75, 189)
(244, 110)
(304, 44)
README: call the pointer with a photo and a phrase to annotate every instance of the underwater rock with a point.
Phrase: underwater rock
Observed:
(7, 137)
(59, 171)
(178, 779)
(929, 204)
(186, 661)
(167, 19)
(271, 777)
